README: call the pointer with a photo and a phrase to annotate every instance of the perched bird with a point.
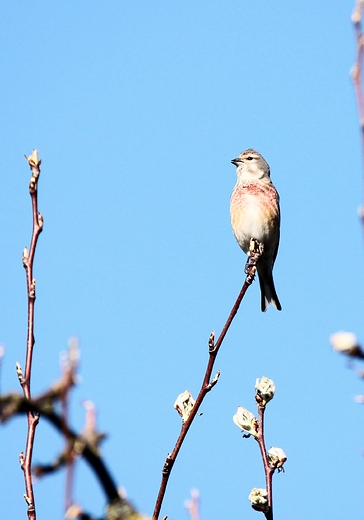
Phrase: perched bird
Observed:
(254, 212)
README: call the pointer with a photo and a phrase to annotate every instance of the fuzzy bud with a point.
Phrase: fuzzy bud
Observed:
(265, 390)
(184, 404)
(246, 421)
(276, 457)
(259, 499)
(345, 342)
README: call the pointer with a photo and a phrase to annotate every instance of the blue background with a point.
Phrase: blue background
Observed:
(137, 109)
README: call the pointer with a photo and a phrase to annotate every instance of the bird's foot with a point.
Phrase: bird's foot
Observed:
(256, 249)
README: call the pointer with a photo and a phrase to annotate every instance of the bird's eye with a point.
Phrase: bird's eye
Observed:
(250, 158)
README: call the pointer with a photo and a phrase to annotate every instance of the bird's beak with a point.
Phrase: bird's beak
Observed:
(236, 161)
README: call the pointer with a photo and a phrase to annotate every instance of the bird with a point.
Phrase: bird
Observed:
(255, 214)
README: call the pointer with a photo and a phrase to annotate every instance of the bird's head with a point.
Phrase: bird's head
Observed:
(250, 165)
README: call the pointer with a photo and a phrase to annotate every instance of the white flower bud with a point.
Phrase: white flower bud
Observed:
(184, 404)
(344, 342)
(265, 390)
(259, 499)
(246, 421)
(276, 457)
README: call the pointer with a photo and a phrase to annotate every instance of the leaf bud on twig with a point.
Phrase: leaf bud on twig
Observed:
(32, 289)
(265, 390)
(259, 499)
(40, 220)
(19, 371)
(33, 159)
(184, 404)
(212, 341)
(276, 457)
(25, 257)
(246, 421)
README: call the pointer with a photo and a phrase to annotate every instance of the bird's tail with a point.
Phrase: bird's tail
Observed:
(268, 293)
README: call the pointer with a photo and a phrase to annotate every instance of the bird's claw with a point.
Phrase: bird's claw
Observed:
(256, 249)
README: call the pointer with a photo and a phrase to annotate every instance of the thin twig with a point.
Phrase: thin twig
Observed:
(207, 384)
(2, 352)
(356, 75)
(28, 260)
(193, 505)
(267, 469)
(69, 374)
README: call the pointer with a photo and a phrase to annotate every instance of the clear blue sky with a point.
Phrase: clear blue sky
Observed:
(137, 109)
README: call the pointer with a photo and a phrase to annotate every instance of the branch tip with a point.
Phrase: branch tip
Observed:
(33, 159)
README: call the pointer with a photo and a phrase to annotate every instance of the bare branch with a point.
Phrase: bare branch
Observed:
(356, 74)
(208, 383)
(28, 260)
(267, 469)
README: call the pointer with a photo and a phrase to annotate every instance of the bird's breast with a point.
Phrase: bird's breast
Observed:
(254, 210)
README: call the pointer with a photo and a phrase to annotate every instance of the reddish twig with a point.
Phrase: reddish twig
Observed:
(356, 74)
(268, 470)
(208, 383)
(28, 260)
(2, 352)
(68, 379)
(68, 500)
(193, 505)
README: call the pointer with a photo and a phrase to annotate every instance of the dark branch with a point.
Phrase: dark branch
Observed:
(15, 404)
